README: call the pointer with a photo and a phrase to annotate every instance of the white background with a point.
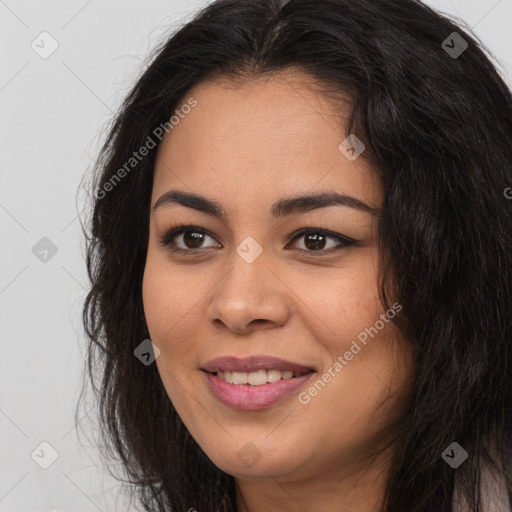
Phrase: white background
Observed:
(53, 116)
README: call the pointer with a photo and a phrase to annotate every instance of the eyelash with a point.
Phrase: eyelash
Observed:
(179, 229)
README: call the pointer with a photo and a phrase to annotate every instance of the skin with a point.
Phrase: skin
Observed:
(247, 145)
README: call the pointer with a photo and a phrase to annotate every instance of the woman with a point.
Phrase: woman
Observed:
(301, 255)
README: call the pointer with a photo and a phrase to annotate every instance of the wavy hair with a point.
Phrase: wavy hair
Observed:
(438, 130)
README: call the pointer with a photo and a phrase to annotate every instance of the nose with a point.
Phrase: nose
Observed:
(250, 296)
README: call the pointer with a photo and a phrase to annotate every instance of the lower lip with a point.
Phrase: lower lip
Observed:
(247, 397)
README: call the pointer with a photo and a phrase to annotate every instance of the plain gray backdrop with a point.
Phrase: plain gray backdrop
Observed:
(65, 68)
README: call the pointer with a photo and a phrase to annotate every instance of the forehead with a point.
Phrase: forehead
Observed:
(278, 135)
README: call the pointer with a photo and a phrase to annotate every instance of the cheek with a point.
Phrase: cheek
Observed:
(171, 299)
(339, 303)
(157, 304)
(344, 313)
(168, 309)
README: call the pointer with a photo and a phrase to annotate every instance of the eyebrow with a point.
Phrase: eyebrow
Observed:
(283, 207)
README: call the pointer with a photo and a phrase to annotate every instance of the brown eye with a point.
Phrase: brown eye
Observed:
(192, 239)
(314, 242)
(317, 240)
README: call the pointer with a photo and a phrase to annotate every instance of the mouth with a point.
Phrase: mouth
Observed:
(254, 382)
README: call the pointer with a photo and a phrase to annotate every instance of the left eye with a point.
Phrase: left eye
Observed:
(315, 239)
(193, 237)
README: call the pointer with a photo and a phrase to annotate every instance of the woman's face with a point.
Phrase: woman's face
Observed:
(256, 289)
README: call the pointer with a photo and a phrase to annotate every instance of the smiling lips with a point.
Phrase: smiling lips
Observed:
(255, 382)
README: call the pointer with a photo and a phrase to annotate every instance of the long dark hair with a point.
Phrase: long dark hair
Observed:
(437, 126)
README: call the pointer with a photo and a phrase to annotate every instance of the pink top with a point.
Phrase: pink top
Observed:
(494, 494)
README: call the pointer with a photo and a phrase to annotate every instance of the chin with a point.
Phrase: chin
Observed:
(250, 462)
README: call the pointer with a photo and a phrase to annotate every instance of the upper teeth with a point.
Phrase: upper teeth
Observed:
(256, 378)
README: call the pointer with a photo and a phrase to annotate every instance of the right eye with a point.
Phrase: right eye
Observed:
(192, 238)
